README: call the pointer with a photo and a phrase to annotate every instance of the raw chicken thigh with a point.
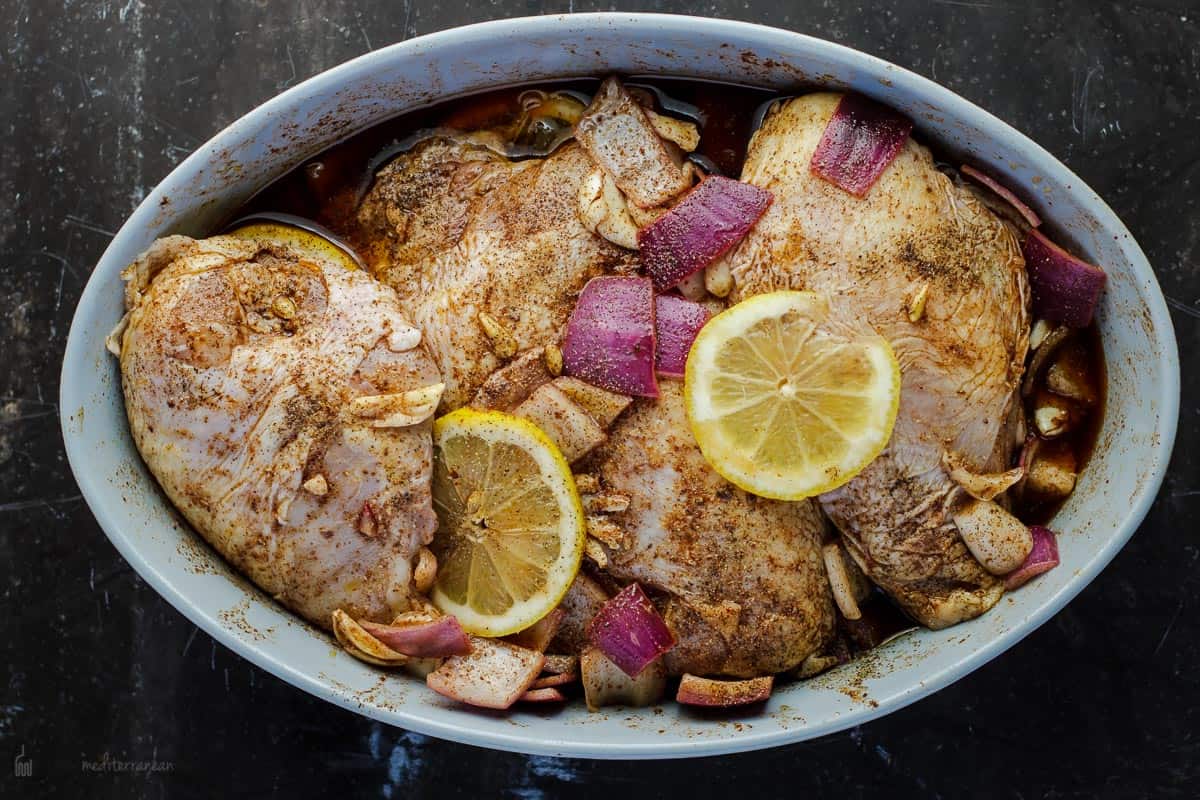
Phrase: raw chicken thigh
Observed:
(487, 255)
(282, 402)
(942, 278)
(465, 231)
(747, 587)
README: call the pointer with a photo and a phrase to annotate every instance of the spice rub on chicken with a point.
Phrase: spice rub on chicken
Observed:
(942, 279)
(282, 401)
(487, 255)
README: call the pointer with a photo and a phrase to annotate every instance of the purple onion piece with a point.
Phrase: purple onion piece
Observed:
(610, 337)
(438, 639)
(862, 138)
(629, 631)
(711, 219)
(1042, 558)
(1065, 289)
(677, 321)
(1003, 192)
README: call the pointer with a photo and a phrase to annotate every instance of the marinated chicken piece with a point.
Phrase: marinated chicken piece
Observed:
(942, 278)
(744, 575)
(488, 255)
(282, 402)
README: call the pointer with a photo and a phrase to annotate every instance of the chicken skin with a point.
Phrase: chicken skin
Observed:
(277, 398)
(925, 265)
(746, 586)
(471, 240)
(461, 230)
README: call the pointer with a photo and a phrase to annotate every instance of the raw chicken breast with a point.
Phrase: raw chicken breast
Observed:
(462, 232)
(942, 278)
(745, 578)
(271, 395)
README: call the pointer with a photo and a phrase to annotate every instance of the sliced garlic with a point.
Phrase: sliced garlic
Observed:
(718, 279)
(368, 522)
(840, 581)
(1038, 333)
(284, 307)
(605, 531)
(916, 304)
(605, 502)
(281, 510)
(586, 483)
(504, 344)
(112, 342)
(425, 573)
(603, 211)
(1051, 421)
(399, 410)
(595, 552)
(316, 485)
(554, 359)
(683, 133)
(402, 338)
(362, 645)
(981, 486)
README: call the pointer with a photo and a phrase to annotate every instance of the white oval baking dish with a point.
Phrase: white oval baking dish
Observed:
(1114, 493)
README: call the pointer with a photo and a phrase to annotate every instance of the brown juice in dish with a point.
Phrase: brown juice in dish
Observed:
(328, 187)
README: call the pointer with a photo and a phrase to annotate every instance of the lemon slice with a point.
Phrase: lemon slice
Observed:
(510, 524)
(306, 243)
(786, 402)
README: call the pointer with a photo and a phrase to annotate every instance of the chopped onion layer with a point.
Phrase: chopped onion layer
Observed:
(495, 675)
(610, 336)
(1042, 558)
(438, 639)
(695, 691)
(1065, 288)
(630, 632)
(676, 323)
(711, 219)
(1002, 191)
(862, 138)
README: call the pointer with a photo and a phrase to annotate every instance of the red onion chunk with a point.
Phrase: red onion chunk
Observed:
(676, 323)
(545, 695)
(1003, 192)
(610, 336)
(695, 691)
(438, 639)
(711, 219)
(1065, 288)
(862, 138)
(629, 631)
(1042, 558)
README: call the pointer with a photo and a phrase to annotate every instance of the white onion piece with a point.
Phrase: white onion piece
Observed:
(494, 675)
(998, 540)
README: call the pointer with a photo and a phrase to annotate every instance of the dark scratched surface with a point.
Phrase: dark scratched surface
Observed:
(99, 100)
